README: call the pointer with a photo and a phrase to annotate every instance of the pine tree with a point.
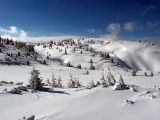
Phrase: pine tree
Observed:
(92, 67)
(71, 83)
(28, 62)
(110, 78)
(74, 49)
(103, 81)
(35, 81)
(151, 74)
(59, 84)
(54, 84)
(65, 51)
(145, 74)
(19, 53)
(133, 72)
(120, 85)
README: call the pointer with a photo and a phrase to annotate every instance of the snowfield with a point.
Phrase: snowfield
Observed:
(139, 101)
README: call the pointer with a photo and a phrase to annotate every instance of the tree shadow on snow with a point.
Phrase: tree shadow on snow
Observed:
(50, 90)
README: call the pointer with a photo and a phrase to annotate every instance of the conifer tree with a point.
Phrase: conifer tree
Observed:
(35, 81)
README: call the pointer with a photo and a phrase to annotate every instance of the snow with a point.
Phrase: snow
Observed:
(140, 102)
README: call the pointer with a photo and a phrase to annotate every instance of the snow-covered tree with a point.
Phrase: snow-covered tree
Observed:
(74, 49)
(145, 73)
(71, 83)
(151, 74)
(35, 81)
(65, 51)
(92, 67)
(92, 84)
(104, 82)
(59, 84)
(133, 72)
(53, 84)
(110, 78)
(120, 85)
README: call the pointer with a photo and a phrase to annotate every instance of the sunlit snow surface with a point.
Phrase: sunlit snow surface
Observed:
(87, 104)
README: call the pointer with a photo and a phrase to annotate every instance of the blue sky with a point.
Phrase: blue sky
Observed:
(128, 19)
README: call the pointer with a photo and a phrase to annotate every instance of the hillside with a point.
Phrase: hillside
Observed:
(91, 62)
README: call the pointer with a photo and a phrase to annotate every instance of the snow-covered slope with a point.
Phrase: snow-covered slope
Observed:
(139, 102)
(142, 56)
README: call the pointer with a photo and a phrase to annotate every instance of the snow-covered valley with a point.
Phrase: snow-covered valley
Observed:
(91, 63)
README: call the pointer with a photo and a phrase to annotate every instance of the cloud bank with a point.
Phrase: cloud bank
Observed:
(13, 33)
(21, 35)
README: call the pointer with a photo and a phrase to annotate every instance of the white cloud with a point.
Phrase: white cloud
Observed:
(21, 35)
(113, 28)
(13, 30)
(130, 26)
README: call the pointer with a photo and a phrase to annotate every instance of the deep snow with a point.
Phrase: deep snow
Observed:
(86, 104)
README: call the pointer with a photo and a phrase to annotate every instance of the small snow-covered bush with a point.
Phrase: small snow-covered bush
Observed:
(79, 66)
(15, 91)
(44, 62)
(92, 84)
(68, 64)
(127, 102)
(47, 57)
(19, 83)
(87, 73)
(120, 85)
(77, 83)
(55, 82)
(73, 83)
(91, 61)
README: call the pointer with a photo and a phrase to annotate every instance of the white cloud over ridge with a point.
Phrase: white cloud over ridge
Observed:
(113, 30)
(130, 26)
(21, 35)
(13, 30)
(13, 33)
